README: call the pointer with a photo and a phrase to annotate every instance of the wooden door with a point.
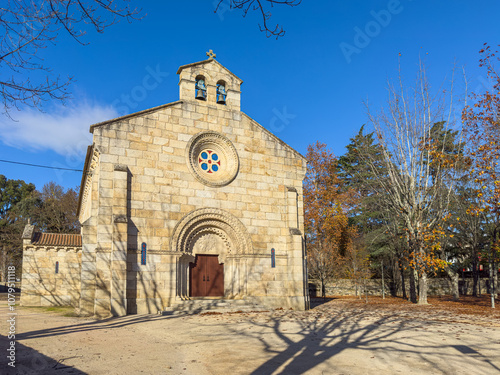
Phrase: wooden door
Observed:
(196, 280)
(206, 277)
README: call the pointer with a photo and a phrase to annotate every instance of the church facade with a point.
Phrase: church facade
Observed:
(191, 199)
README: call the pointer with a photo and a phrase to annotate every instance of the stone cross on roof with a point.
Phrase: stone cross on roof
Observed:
(211, 55)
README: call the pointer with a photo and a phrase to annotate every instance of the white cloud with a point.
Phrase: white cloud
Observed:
(65, 129)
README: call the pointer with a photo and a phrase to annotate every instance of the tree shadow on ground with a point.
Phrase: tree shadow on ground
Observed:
(319, 339)
(104, 324)
(297, 342)
(31, 361)
(318, 301)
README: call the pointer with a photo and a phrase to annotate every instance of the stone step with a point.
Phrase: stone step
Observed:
(201, 305)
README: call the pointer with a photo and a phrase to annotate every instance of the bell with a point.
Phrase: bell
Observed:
(221, 99)
(200, 94)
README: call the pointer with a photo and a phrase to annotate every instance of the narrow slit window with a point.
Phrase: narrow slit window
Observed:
(143, 254)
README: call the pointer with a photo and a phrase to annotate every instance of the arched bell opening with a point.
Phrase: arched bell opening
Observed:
(221, 92)
(200, 88)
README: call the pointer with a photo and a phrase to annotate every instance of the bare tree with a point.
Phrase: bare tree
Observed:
(260, 6)
(29, 26)
(57, 213)
(420, 177)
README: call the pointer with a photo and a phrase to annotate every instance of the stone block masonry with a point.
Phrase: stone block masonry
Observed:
(192, 179)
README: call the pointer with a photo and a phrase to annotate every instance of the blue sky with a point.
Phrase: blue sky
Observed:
(309, 85)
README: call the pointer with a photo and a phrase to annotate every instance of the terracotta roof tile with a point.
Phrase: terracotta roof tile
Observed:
(57, 239)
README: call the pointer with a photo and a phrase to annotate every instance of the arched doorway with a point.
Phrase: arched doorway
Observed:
(210, 243)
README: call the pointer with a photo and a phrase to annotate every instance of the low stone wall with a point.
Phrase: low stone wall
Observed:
(347, 287)
(51, 276)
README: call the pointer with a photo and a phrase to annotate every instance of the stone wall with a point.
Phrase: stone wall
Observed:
(41, 285)
(346, 287)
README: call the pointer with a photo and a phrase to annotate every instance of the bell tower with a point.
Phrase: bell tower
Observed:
(209, 82)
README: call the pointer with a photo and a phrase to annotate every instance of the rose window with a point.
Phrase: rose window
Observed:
(209, 162)
(212, 158)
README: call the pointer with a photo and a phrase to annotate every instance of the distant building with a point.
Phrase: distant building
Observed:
(191, 199)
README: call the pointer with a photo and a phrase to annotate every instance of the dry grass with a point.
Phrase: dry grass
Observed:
(467, 309)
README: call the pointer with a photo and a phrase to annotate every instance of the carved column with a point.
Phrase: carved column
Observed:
(183, 275)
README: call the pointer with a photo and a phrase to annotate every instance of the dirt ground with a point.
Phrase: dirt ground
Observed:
(340, 336)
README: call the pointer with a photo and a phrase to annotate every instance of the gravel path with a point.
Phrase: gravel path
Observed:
(339, 337)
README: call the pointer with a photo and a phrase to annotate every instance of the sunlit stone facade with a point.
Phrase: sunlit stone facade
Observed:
(190, 182)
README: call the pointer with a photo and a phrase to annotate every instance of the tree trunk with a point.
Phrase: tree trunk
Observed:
(454, 277)
(475, 276)
(492, 283)
(495, 263)
(394, 278)
(464, 283)
(493, 271)
(495, 278)
(366, 290)
(383, 282)
(3, 263)
(422, 289)
(403, 283)
(413, 287)
(479, 283)
(454, 286)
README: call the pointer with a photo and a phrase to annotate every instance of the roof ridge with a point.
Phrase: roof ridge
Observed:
(182, 67)
(144, 111)
(276, 138)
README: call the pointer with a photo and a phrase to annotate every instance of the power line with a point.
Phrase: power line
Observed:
(40, 166)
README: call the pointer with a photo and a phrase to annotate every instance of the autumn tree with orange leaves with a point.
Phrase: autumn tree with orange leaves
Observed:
(482, 127)
(326, 205)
